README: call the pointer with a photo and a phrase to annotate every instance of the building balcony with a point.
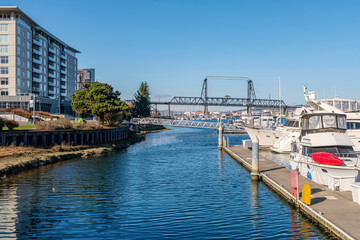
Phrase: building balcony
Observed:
(63, 71)
(52, 67)
(52, 49)
(52, 59)
(36, 89)
(51, 92)
(38, 61)
(63, 79)
(39, 52)
(63, 56)
(36, 79)
(63, 64)
(63, 94)
(52, 84)
(37, 42)
(52, 75)
(37, 70)
(63, 86)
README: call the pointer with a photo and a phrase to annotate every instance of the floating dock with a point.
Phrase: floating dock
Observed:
(333, 210)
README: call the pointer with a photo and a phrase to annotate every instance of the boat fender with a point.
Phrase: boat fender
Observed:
(289, 167)
(308, 175)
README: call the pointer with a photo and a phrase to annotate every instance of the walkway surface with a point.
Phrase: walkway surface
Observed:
(335, 206)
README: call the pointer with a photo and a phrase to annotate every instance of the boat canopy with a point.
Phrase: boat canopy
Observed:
(323, 121)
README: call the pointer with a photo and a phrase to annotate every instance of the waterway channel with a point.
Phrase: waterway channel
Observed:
(174, 185)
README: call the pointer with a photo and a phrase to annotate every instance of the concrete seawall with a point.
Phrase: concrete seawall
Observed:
(70, 137)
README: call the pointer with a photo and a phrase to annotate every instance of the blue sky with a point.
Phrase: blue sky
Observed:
(174, 45)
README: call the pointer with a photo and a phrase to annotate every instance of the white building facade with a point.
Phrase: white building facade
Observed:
(33, 62)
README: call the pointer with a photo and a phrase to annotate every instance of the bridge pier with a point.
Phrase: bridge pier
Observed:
(169, 110)
(206, 110)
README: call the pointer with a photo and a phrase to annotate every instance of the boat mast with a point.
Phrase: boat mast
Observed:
(280, 100)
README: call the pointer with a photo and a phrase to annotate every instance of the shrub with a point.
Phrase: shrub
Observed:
(11, 124)
(61, 124)
(18, 111)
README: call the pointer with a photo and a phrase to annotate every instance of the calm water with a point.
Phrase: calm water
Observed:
(174, 185)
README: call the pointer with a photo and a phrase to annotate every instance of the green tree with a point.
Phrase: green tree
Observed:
(100, 99)
(142, 101)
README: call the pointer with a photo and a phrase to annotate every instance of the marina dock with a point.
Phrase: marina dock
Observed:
(333, 210)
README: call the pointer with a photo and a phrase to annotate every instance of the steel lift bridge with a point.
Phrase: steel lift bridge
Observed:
(206, 101)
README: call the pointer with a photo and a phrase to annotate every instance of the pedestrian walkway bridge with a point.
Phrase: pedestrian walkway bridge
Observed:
(186, 123)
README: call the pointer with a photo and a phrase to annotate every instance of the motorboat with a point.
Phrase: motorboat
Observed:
(324, 152)
(290, 135)
(349, 107)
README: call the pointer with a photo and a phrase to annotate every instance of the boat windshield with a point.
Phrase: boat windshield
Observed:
(324, 121)
(339, 151)
(292, 123)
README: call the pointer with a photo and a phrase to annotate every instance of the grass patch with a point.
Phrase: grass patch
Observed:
(22, 127)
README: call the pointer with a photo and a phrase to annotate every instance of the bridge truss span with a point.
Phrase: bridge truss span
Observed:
(185, 123)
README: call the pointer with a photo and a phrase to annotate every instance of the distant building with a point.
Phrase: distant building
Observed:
(33, 62)
(85, 76)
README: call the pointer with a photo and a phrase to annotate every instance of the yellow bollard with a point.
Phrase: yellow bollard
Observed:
(306, 194)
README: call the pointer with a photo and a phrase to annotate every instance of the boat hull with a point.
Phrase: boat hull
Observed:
(322, 174)
(266, 138)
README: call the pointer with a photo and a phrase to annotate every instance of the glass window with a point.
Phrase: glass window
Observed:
(4, 70)
(314, 122)
(18, 29)
(4, 38)
(353, 125)
(18, 40)
(4, 49)
(4, 91)
(28, 35)
(4, 59)
(18, 60)
(4, 81)
(329, 121)
(341, 122)
(18, 50)
(28, 54)
(18, 71)
(28, 45)
(28, 74)
(339, 151)
(28, 64)
(4, 27)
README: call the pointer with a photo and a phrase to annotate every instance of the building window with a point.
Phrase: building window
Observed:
(4, 70)
(4, 38)
(28, 45)
(4, 59)
(4, 27)
(18, 61)
(18, 40)
(28, 35)
(4, 81)
(4, 91)
(4, 49)
(28, 64)
(28, 54)
(18, 29)
(18, 72)
(18, 51)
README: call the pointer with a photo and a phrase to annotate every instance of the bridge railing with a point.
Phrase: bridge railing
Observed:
(185, 123)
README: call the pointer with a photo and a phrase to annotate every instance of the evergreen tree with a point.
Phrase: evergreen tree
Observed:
(141, 106)
(100, 99)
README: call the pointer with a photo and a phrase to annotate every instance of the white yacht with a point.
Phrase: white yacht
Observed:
(349, 107)
(290, 135)
(325, 152)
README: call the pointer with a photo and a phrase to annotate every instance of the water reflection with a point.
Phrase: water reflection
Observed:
(175, 184)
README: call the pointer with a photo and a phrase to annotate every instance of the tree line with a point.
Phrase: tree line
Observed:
(103, 101)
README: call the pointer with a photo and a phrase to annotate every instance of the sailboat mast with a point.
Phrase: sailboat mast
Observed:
(280, 100)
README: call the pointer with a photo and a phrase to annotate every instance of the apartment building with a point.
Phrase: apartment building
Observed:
(85, 76)
(34, 65)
